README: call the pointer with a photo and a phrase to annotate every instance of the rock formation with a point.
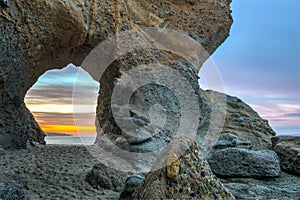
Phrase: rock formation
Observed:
(40, 35)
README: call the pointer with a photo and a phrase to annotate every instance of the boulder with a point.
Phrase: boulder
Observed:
(107, 178)
(288, 151)
(191, 179)
(12, 191)
(237, 162)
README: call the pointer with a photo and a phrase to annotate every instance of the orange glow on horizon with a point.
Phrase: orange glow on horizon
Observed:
(68, 129)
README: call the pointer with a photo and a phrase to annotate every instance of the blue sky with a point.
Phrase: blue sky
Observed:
(260, 61)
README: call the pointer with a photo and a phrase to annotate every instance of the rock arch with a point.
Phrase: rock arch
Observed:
(39, 35)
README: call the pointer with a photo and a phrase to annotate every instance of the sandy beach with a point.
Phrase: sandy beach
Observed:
(52, 172)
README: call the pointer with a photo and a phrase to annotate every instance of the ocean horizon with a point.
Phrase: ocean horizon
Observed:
(71, 140)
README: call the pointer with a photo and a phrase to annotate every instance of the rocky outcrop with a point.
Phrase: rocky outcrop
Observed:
(237, 162)
(288, 151)
(12, 191)
(189, 177)
(242, 126)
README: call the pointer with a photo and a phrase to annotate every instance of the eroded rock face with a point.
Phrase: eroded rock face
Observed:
(40, 35)
(190, 17)
(242, 126)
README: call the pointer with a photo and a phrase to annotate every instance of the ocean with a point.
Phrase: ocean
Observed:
(71, 140)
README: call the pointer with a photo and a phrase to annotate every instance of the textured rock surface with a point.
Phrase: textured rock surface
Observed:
(284, 187)
(236, 162)
(193, 181)
(12, 191)
(66, 31)
(240, 120)
(288, 151)
(106, 178)
(131, 184)
(227, 140)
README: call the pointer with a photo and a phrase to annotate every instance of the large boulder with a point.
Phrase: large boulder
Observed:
(238, 162)
(288, 151)
(188, 177)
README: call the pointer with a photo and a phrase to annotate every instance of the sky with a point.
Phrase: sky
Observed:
(53, 106)
(258, 63)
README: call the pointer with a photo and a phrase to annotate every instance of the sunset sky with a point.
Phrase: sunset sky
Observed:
(51, 102)
(259, 63)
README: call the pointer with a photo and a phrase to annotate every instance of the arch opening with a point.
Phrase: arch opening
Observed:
(51, 102)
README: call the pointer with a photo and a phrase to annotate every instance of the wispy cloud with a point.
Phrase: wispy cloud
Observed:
(292, 115)
(62, 96)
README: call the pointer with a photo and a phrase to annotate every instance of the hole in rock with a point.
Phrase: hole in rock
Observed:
(64, 112)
